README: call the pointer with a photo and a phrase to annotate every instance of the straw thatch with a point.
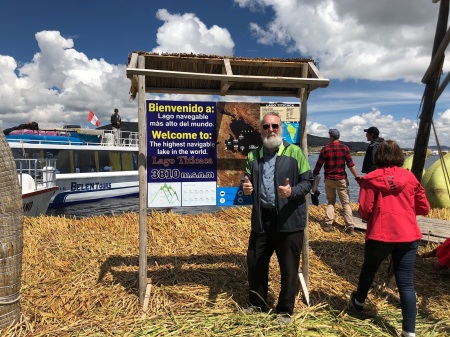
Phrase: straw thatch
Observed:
(80, 278)
(11, 240)
(224, 75)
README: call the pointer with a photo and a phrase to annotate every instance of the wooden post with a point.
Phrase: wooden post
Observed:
(142, 170)
(426, 117)
(304, 272)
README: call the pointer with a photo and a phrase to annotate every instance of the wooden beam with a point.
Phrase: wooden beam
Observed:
(219, 60)
(142, 173)
(223, 77)
(134, 79)
(226, 69)
(429, 102)
(304, 271)
(313, 71)
(284, 85)
(272, 93)
(133, 61)
(443, 86)
(305, 71)
(146, 299)
(437, 58)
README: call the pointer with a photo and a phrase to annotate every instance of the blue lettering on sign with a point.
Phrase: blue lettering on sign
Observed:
(89, 186)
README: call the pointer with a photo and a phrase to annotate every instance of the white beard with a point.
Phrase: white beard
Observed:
(272, 142)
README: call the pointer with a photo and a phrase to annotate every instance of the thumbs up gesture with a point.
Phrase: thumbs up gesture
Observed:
(247, 186)
(285, 191)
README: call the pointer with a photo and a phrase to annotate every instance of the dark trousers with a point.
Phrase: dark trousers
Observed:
(288, 247)
(403, 258)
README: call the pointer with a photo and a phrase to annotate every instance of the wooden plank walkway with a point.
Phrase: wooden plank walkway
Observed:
(433, 230)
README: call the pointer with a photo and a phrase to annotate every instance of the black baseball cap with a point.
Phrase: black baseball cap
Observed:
(373, 130)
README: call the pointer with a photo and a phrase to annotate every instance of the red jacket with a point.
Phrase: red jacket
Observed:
(443, 253)
(389, 199)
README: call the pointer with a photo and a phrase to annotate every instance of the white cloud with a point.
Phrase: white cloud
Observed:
(61, 84)
(383, 40)
(188, 34)
(403, 131)
(348, 38)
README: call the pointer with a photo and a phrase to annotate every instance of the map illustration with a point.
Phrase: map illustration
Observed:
(291, 132)
(238, 134)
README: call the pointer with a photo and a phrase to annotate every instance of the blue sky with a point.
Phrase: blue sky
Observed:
(60, 59)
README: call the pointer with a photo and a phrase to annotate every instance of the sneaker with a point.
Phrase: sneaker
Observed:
(427, 255)
(356, 307)
(350, 230)
(284, 319)
(408, 334)
(251, 310)
(328, 228)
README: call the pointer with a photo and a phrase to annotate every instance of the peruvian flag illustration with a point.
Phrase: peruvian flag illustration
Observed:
(93, 119)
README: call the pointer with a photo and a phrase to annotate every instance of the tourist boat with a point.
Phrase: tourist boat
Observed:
(38, 185)
(90, 164)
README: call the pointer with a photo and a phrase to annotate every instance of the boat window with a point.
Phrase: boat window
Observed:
(127, 161)
(19, 153)
(121, 161)
(114, 159)
(85, 161)
(103, 161)
(71, 161)
(29, 154)
(135, 160)
(62, 159)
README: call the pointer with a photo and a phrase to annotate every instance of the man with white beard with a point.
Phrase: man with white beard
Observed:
(280, 178)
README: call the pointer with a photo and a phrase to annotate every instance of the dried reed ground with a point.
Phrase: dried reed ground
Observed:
(80, 278)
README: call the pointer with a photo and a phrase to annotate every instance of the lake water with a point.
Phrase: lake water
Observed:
(118, 206)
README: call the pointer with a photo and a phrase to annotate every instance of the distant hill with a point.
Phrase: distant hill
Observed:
(443, 147)
(315, 143)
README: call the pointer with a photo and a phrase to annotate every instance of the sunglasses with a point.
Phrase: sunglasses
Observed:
(267, 126)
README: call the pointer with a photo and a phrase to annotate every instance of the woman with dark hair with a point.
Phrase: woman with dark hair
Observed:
(389, 200)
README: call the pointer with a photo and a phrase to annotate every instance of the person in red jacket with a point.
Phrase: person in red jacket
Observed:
(442, 252)
(390, 198)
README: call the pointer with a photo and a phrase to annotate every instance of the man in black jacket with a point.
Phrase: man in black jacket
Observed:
(372, 135)
(279, 177)
(116, 122)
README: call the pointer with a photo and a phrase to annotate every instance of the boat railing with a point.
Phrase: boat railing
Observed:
(42, 171)
(117, 137)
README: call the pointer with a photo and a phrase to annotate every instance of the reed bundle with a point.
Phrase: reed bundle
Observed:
(80, 278)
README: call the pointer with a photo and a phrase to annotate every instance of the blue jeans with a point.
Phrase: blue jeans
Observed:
(403, 258)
